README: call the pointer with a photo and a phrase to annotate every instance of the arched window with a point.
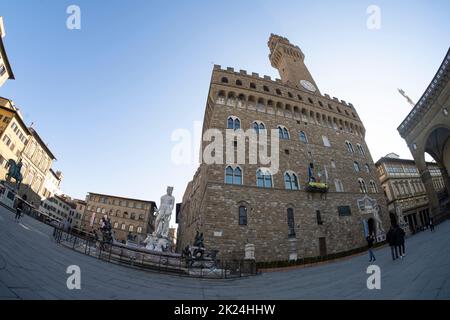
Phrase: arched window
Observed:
(221, 97)
(349, 147)
(233, 123)
(291, 181)
(141, 217)
(361, 149)
(291, 223)
(224, 80)
(258, 126)
(338, 185)
(139, 229)
(131, 228)
(238, 82)
(252, 85)
(362, 186)
(266, 88)
(233, 176)
(278, 92)
(123, 226)
(356, 166)
(237, 124)
(263, 179)
(242, 215)
(229, 174)
(366, 166)
(237, 176)
(283, 133)
(326, 141)
(303, 137)
(373, 186)
(116, 225)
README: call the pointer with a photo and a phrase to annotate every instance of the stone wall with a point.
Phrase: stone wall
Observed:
(212, 207)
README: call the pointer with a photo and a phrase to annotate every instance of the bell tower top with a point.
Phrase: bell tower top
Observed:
(288, 59)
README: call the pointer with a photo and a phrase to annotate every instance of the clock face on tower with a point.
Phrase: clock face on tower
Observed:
(308, 85)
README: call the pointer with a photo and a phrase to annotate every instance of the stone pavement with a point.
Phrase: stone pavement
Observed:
(32, 266)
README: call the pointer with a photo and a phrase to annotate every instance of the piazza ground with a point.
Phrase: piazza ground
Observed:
(32, 266)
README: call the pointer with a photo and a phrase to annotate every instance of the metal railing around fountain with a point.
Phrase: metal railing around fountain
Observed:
(165, 262)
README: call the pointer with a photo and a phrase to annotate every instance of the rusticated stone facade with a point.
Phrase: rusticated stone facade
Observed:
(333, 141)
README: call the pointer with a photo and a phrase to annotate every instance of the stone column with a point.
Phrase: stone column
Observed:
(431, 192)
(446, 179)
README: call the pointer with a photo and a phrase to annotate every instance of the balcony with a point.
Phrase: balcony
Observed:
(316, 187)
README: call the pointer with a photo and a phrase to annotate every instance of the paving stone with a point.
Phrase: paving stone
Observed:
(34, 267)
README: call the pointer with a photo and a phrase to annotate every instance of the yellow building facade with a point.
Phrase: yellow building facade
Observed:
(37, 160)
(19, 142)
(14, 134)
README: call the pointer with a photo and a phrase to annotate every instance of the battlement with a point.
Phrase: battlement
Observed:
(278, 82)
(275, 39)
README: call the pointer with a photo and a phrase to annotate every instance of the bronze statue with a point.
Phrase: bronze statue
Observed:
(14, 172)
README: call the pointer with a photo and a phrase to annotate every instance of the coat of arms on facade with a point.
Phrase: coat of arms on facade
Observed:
(369, 206)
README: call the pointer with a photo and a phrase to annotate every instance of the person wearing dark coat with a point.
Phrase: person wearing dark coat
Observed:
(20, 207)
(400, 235)
(391, 239)
(370, 240)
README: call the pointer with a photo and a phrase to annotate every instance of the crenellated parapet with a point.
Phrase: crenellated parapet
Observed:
(264, 94)
(277, 82)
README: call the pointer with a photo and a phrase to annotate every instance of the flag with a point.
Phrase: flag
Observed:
(326, 173)
(310, 174)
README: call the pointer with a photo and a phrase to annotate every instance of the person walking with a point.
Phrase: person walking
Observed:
(370, 240)
(400, 235)
(431, 225)
(19, 208)
(391, 239)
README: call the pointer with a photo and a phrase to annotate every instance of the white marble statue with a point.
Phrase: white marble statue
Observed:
(164, 214)
(379, 224)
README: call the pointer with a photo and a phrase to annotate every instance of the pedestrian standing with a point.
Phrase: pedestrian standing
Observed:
(431, 225)
(400, 233)
(391, 239)
(370, 240)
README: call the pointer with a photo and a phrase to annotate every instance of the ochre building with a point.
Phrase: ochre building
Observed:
(128, 216)
(405, 191)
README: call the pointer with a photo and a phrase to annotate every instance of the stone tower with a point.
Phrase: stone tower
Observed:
(288, 59)
(238, 202)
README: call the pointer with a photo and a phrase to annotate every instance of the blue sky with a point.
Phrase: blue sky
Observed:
(107, 97)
